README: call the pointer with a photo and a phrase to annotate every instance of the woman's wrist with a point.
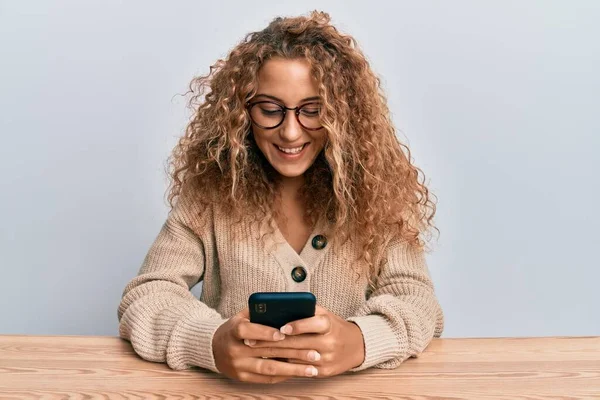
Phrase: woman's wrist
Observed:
(357, 345)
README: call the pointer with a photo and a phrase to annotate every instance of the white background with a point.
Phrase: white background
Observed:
(498, 101)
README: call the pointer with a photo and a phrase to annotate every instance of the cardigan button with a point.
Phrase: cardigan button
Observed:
(298, 274)
(319, 242)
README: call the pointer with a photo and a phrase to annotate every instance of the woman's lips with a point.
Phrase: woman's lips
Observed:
(289, 155)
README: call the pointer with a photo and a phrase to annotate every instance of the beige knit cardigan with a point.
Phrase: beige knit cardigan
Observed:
(165, 322)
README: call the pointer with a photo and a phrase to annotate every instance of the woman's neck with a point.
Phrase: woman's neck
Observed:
(290, 187)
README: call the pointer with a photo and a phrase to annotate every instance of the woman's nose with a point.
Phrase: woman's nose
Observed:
(290, 130)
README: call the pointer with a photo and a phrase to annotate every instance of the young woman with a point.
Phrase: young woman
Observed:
(290, 178)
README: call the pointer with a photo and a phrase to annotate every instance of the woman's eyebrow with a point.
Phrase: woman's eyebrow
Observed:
(282, 102)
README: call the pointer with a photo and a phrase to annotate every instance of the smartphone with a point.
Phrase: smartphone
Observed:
(275, 309)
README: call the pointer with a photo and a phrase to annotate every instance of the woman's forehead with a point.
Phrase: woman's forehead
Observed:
(287, 79)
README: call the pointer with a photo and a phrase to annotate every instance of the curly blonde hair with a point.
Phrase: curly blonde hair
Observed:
(372, 190)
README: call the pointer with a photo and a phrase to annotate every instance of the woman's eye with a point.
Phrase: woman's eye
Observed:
(270, 110)
(310, 112)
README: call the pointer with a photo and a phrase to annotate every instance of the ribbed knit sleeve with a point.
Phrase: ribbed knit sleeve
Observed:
(158, 313)
(402, 314)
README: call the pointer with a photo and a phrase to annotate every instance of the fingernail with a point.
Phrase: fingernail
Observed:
(286, 329)
(249, 342)
(314, 355)
(278, 336)
(311, 371)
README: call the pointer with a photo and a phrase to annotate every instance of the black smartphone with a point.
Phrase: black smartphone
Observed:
(275, 309)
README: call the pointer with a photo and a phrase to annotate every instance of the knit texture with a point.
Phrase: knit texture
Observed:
(165, 322)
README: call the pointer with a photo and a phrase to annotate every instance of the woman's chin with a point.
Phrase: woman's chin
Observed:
(290, 173)
(291, 168)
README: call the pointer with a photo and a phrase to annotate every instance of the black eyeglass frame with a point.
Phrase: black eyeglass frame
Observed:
(250, 104)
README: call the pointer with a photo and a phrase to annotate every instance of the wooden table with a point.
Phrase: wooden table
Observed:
(59, 367)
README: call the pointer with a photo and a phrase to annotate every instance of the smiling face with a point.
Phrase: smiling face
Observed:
(290, 148)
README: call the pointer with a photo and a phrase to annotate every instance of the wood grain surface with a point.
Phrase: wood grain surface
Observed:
(85, 367)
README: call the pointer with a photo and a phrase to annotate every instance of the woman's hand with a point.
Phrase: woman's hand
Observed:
(339, 343)
(237, 360)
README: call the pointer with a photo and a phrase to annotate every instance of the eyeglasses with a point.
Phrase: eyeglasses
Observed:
(269, 115)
